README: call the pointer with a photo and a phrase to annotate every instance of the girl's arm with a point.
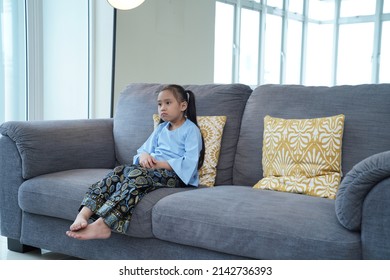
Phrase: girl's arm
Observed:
(186, 167)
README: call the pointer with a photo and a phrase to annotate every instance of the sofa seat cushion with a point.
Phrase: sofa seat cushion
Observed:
(257, 224)
(59, 195)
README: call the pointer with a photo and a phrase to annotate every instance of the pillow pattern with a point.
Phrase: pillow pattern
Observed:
(211, 128)
(302, 155)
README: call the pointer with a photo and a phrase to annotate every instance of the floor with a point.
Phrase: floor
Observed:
(5, 254)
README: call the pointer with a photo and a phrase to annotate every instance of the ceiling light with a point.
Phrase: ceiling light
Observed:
(125, 4)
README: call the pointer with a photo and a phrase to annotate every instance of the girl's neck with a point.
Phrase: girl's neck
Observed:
(177, 123)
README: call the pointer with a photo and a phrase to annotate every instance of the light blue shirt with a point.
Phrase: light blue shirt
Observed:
(180, 148)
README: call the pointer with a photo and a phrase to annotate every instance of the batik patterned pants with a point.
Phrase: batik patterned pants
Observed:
(115, 196)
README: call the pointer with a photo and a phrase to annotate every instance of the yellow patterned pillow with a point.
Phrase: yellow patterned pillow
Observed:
(302, 155)
(211, 128)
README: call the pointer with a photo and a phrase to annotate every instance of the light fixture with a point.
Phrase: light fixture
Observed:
(125, 4)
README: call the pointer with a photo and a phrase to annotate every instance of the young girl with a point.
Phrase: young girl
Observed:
(170, 157)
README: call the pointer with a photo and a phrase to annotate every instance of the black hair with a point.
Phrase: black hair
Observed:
(188, 96)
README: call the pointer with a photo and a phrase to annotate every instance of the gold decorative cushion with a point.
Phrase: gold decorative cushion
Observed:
(211, 128)
(302, 155)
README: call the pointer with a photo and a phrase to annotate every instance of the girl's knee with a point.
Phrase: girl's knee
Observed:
(118, 169)
(134, 170)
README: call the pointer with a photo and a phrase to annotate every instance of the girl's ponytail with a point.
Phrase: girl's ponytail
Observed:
(191, 115)
(191, 107)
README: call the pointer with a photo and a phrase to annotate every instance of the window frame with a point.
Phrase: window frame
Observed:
(378, 18)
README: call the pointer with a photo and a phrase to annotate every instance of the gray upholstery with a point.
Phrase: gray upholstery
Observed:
(46, 167)
(60, 195)
(255, 224)
(367, 120)
(118, 247)
(72, 144)
(356, 185)
(375, 228)
(141, 221)
(11, 171)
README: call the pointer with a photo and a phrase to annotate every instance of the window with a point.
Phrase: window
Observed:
(311, 42)
(319, 54)
(319, 46)
(223, 46)
(293, 52)
(321, 10)
(275, 3)
(13, 61)
(357, 8)
(249, 47)
(386, 6)
(355, 53)
(50, 67)
(272, 51)
(384, 72)
(296, 6)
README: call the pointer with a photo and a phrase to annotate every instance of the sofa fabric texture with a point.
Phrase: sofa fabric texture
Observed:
(72, 144)
(47, 166)
(357, 184)
(375, 227)
(240, 220)
(11, 169)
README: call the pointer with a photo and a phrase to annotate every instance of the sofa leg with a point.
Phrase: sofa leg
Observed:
(16, 246)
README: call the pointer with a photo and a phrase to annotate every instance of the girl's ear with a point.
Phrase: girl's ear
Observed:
(184, 106)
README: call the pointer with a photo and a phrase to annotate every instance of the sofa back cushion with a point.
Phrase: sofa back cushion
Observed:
(133, 121)
(57, 145)
(366, 128)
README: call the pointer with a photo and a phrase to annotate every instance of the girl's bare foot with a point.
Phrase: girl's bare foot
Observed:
(81, 220)
(96, 230)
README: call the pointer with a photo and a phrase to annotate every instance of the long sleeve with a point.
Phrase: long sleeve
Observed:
(186, 166)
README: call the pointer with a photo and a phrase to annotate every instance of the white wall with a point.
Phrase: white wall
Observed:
(165, 41)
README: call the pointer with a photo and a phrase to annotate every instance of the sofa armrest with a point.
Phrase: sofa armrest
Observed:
(11, 179)
(356, 185)
(52, 146)
(375, 229)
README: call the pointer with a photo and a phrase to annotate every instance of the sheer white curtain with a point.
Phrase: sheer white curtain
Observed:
(13, 61)
(55, 59)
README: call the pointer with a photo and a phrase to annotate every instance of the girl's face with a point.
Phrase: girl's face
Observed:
(169, 108)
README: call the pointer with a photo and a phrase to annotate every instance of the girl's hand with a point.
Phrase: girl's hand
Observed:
(147, 161)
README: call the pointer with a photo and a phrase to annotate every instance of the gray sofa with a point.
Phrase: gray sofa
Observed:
(47, 166)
